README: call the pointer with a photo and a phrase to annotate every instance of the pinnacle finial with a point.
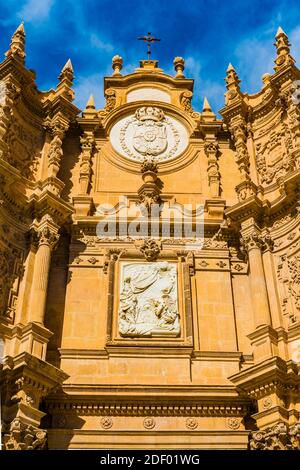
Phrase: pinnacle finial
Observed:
(231, 75)
(68, 66)
(17, 44)
(280, 32)
(230, 68)
(179, 67)
(117, 64)
(206, 105)
(90, 103)
(90, 110)
(207, 114)
(66, 78)
(282, 45)
(20, 28)
(67, 73)
(232, 84)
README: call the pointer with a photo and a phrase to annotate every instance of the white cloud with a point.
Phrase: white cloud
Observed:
(35, 10)
(86, 86)
(214, 92)
(93, 85)
(192, 68)
(129, 68)
(254, 57)
(99, 44)
(294, 38)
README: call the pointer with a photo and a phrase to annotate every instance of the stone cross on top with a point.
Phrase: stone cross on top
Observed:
(149, 39)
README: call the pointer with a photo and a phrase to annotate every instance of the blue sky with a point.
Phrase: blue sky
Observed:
(208, 34)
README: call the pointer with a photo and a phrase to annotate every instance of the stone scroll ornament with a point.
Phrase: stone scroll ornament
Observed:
(148, 303)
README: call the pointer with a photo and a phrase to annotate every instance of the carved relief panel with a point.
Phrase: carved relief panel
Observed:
(10, 273)
(285, 233)
(273, 155)
(288, 272)
(150, 301)
(148, 304)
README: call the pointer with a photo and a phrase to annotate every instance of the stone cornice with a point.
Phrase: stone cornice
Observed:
(92, 408)
(274, 372)
(156, 400)
(258, 208)
(235, 109)
(144, 77)
(41, 375)
(48, 203)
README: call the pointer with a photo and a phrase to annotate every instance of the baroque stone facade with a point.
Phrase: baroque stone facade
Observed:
(122, 325)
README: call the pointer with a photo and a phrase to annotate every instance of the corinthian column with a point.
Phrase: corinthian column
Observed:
(46, 240)
(254, 244)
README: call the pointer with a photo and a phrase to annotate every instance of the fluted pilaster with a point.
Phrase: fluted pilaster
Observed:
(46, 240)
(254, 244)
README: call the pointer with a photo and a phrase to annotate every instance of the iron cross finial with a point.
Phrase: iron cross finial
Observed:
(148, 39)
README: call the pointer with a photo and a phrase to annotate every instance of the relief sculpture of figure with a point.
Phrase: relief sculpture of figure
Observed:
(148, 300)
(167, 313)
(128, 306)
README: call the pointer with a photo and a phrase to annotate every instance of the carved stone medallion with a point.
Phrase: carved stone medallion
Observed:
(149, 133)
(106, 422)
(233, 423)
(149, 423)
(191, 423)
(148, 304)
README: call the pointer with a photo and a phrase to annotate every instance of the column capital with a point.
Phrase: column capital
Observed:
(47, 237)
(256, 240)
(43, 236)
(278, 437)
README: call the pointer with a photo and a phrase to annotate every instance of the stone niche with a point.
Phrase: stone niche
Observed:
(148, 300)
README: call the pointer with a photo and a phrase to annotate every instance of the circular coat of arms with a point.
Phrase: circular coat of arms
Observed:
(149, 133)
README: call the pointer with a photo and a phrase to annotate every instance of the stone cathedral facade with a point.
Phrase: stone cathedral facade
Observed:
(173, 339)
